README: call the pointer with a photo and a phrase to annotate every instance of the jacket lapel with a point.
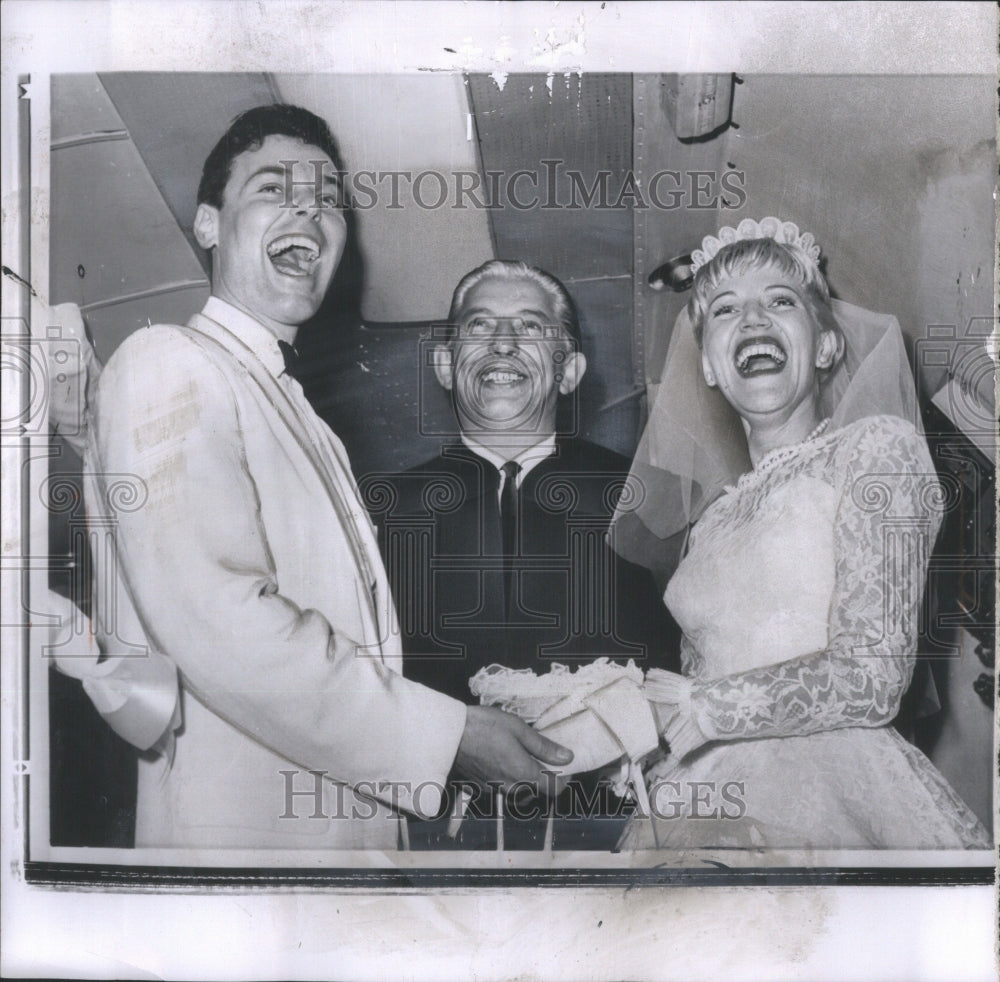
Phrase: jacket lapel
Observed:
(215, 339)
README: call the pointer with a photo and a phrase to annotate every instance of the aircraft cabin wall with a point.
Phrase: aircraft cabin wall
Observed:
(894, 176)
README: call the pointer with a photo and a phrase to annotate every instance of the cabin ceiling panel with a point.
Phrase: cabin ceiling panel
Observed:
(80, 105)
(175, 119)
(116, 241)
(414, 240)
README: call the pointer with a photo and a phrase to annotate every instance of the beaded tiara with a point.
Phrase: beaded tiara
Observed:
(767, 228)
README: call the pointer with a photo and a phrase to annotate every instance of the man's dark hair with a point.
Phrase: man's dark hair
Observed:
(249, 130)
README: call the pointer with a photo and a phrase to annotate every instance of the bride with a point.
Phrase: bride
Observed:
(788, 437)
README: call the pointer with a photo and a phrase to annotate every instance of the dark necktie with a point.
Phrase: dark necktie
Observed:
(291, 357)
(508, 525)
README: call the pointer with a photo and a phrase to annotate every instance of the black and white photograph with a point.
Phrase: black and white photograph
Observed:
(489, 482)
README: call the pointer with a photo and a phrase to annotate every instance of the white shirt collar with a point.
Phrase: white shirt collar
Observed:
(528, 458)
(250, 331)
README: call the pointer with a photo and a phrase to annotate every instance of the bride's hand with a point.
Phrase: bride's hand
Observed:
(669, 694)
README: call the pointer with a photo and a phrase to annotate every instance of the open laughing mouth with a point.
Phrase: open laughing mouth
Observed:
(501, 376)
(294, 255)
(759, 355)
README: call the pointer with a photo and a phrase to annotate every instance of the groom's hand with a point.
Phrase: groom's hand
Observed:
(497, 746)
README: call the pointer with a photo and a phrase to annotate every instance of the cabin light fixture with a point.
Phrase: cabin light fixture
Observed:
(675, 274)
(697, 106)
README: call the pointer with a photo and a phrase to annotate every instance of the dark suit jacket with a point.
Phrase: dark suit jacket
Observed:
(574, 600)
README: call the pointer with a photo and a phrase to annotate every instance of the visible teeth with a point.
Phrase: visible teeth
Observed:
(286, 242)
(762, 349)
(502, 377)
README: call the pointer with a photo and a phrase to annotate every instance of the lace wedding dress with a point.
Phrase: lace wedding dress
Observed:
(799, 599)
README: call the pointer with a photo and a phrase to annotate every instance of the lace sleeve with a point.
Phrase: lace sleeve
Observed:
(887, 520)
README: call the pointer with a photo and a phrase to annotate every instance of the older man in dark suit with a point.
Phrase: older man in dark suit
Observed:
(497, 548)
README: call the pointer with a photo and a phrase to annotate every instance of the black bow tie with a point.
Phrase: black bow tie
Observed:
(291, 357)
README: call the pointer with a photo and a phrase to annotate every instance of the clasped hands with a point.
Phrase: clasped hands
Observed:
(499, 747)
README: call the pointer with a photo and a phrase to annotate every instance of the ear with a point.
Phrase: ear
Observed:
(443, 368)
(706, 370)
(206, 226)
(572, 371)
(829, 349)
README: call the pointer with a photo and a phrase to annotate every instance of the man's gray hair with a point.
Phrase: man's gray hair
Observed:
(508, 269)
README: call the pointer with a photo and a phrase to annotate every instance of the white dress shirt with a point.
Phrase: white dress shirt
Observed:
(528, 458)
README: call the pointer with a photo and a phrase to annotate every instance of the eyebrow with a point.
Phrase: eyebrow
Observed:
(273, 170)
(773, 286)
(527, 312)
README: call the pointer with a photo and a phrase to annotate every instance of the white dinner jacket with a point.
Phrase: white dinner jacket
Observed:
(245, 555)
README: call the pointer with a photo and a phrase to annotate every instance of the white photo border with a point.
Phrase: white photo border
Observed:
(917, 48)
